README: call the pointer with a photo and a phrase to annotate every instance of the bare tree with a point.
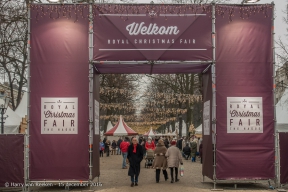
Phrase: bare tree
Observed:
(13, 45)
(117, 95)
(181, 87)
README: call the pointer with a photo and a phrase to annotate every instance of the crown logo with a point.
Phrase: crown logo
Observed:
(152, 13)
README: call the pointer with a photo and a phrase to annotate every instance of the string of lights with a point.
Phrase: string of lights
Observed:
(76, 11)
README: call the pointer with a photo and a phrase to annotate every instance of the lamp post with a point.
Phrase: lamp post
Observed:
(3, 108)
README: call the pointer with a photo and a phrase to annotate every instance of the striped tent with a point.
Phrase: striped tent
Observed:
(121, 129)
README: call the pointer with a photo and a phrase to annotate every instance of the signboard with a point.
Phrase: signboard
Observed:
(206, 117)
(244, 115)
(96, 119)
(59, 115)
(137, 32)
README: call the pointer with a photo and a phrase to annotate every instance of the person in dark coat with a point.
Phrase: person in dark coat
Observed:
(187, 151)
(118, 145)
(143, 146)
(107, 147)
(166, 143)
(104, 141)
(179, 144)
(135, 156)
(201, 152)
(140, 140)
(114, 145)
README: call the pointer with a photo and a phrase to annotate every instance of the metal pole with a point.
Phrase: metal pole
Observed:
(156, 62)
(277, 172)
(213, 71)
(91, 95)
(2, 121)
(26, 145)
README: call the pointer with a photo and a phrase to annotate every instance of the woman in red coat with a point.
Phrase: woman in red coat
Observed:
(150, 144)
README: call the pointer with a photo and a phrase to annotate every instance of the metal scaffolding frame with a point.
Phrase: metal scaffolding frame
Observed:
(277, 159)
(91, 98)
(213, 73)
(27, 135)
(91, 94)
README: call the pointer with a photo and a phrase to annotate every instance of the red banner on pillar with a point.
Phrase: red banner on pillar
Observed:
(59, 112)
(244, 96)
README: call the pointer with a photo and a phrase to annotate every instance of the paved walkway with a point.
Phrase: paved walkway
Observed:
(114, 179)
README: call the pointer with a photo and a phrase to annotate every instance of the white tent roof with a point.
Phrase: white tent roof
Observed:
(21, 110)
(282, 112)
(150, 133)
(109, 126)
(12, 122)
(198, 130)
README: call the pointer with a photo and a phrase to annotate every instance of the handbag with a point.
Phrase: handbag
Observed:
(182, 171)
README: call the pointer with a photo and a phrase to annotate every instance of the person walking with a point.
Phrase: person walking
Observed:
(143, 146)
(140, 140)
(124, 148)
(101, 148)
(183, 143)
(118, 146)
(174, 158)
(135, 156)
(193, 150)
(104, 141)
(166, 142)
(179, 143)
(160, 161)
(114, 144)
(107, 147)
(156, 140)
(187, 151)
(200, 152)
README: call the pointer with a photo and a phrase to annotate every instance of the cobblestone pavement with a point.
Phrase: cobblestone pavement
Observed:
(114, 178)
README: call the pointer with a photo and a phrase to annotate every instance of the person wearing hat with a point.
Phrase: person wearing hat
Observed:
(160, 161)
(149, 144)
(174, 158)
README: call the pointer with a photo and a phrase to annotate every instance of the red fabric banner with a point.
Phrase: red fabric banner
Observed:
(207, 150)
(283, 141)
(11, 160)
(244, 83)
(152, 32)
(59, 70)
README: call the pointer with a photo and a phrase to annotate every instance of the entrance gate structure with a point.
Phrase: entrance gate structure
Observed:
(229, 44)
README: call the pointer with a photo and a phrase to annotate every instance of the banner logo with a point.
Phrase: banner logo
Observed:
(153, 29)
(59, 115)
(244, 115)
